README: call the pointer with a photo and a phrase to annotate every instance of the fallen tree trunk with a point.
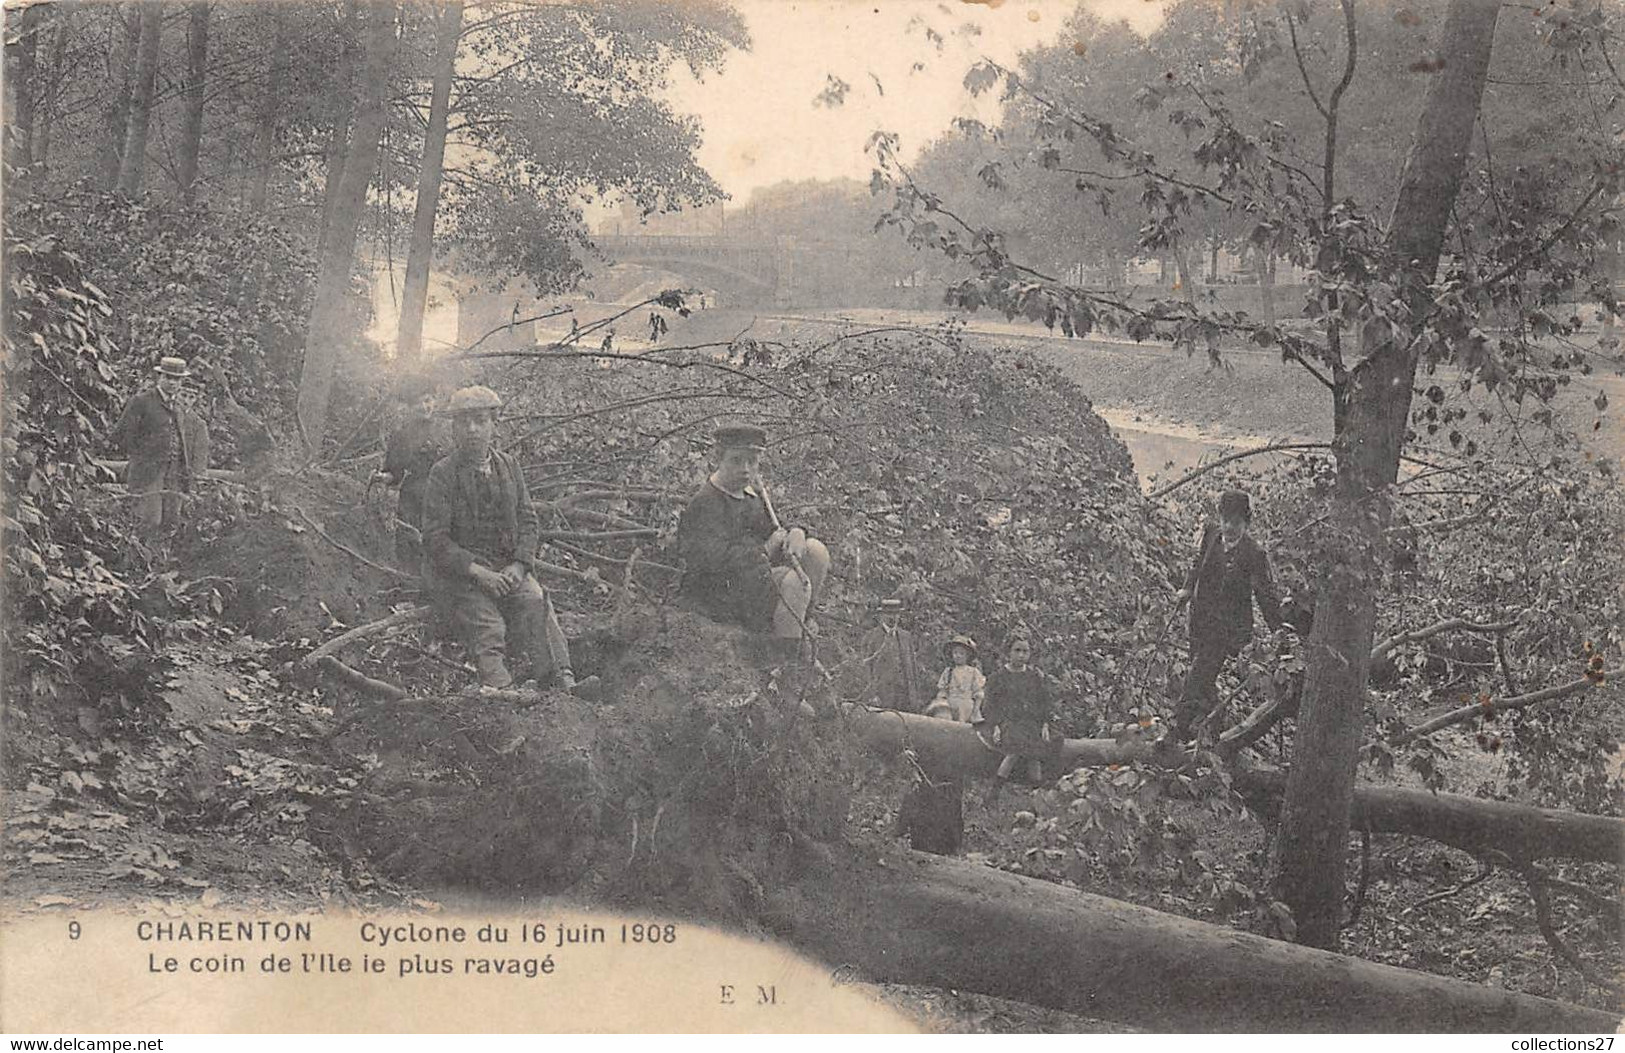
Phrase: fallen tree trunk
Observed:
(952, 748)
(949, 748)
(948, 924)
(1518, 831)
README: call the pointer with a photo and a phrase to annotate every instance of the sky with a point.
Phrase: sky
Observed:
(761, 125)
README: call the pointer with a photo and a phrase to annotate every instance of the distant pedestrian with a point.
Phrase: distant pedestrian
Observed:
(961, 688)
(167, 444)
(657, 327)
(891, 661)
(1231, 571)
(1020, 706)
(608, 343)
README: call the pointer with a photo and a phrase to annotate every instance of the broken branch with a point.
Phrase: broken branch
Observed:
(361, 632)
(1382, 650)
(1490, 707)
(347, 550)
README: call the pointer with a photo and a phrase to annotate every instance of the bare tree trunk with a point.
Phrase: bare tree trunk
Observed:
(948, 748)
(133, 161)
(121, 70)
(327, 333)
(22, 86)
(409, 339)
(1264, 260)
(343, 108)
(197, 53)
(916, 919)
(1213, 261)
(1187, 280)
(1312, 842)
(264, 152)
(59, 54)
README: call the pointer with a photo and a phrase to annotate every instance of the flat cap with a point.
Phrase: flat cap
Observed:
(741, 436)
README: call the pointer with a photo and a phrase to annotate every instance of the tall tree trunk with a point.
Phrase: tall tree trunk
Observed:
(327, 333)
(1264, 260)
(197, 53)
(1374, 405)
(1186, 280)
(265, 122)
(133, 161)
(121, 71)
(53, 87)
(22, 87)
(343, 108)
(409, 339)
(1213, 261)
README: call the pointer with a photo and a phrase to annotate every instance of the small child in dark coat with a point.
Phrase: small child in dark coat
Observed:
(1019, 706)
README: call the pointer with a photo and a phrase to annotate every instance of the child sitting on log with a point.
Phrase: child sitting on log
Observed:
(1019, 707)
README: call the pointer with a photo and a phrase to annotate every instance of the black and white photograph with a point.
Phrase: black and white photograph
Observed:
(813, 516)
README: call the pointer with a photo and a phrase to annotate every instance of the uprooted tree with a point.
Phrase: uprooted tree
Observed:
(1384, 308)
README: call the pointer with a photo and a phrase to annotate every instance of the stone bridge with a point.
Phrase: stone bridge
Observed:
(760, 268)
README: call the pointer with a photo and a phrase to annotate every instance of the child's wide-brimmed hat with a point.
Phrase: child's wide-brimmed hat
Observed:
(960, 640)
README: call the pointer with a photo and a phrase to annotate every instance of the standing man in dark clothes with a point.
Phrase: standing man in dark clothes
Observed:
(742, 565)
(167, 444)
(891, 661)
(481, 530)
(1231, 571)
(410, 453)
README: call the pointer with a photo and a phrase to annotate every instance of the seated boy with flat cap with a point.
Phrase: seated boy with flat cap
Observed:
(481, 530)
(742, 565)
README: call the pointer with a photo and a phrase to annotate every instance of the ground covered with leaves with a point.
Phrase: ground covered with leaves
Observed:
(164, 740)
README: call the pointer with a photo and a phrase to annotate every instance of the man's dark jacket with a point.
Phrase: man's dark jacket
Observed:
(727, 575)
(1223, 586)
(153, 433)
(473, 518)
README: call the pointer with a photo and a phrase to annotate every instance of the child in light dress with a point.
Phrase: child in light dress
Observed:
(961, 686)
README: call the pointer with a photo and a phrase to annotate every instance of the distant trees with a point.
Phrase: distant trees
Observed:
(483, 130)
(1265, 123)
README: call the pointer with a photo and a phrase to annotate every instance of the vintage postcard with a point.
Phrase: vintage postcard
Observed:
(761, 516)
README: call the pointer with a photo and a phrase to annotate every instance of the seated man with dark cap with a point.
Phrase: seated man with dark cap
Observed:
(480, 531)
(742, 565)
(1231, 571)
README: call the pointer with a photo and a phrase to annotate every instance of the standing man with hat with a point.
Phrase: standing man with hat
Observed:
(481, 532)
(743, 565)
(892, 661)
(167, 444)
(1231, 571)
